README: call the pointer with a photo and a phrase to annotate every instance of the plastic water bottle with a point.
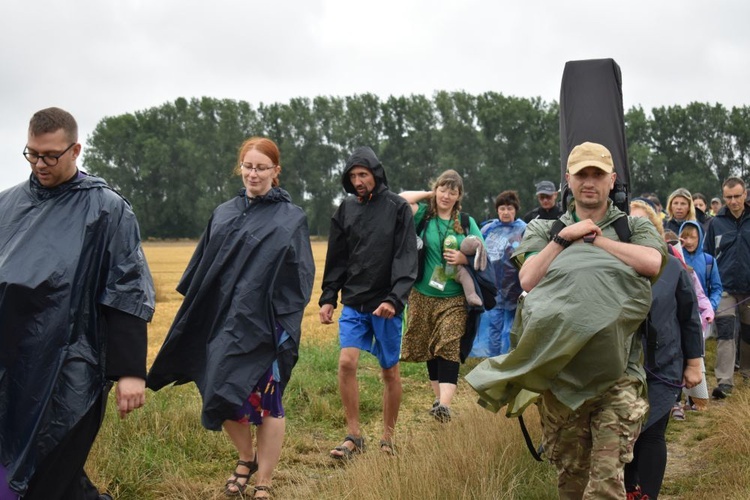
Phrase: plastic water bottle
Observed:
(450, 243)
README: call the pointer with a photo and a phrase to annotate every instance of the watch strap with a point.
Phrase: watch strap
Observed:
(561, 241)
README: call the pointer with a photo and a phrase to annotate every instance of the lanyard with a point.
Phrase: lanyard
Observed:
(442, 235)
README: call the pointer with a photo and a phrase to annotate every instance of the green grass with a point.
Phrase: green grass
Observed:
(162, 452)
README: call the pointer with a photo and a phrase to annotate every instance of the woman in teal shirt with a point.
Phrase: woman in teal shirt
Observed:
(437, 307)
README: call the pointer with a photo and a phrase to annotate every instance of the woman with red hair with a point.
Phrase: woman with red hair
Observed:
(237, 333)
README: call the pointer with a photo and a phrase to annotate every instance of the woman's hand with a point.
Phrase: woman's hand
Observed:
(692, 376)
(455, 257)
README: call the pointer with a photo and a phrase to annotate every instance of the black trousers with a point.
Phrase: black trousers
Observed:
(443, 370)
(60, 475)
(649, 460)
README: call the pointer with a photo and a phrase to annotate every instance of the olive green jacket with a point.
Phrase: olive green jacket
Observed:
(576, 332)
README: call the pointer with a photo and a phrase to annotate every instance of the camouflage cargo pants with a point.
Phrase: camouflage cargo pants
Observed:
(591, 445)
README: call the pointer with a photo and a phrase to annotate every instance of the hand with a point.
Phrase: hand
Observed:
(579, 230)
(692, 376)
(455, 258)
(385, 310)
(130, 394)
(326, 314)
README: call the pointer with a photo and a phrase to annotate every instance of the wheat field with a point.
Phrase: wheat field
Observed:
(168, 260)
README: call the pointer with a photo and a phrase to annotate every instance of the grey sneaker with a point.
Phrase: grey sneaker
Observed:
(441, 413)
(722, 391)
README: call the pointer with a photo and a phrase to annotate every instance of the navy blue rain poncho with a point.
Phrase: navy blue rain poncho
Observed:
(253, 267)
(64, 253)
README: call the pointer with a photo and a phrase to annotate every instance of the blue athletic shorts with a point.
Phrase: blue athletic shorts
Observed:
(367, 332)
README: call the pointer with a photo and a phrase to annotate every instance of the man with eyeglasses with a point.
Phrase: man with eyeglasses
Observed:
(75, 297)
(728, 239)
(546, 194)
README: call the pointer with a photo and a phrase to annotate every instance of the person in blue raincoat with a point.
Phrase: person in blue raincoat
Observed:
(238, 330)
(501, 237)
(75, 298)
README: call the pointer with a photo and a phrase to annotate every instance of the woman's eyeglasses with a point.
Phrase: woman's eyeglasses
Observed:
(256, 168)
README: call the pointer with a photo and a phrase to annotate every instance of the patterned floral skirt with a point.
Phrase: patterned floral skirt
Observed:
(435, 327)
(264, 400)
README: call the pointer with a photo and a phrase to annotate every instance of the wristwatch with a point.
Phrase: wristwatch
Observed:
(589, 238)
(561, 241)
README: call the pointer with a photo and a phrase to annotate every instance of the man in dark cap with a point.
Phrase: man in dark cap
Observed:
(546, 194)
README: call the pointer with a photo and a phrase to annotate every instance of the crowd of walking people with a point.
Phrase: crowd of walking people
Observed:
(601, 317)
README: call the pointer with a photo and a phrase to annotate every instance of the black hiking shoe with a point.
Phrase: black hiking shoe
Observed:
(722, 391)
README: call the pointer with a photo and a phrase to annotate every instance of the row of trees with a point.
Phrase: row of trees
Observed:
(174, 162)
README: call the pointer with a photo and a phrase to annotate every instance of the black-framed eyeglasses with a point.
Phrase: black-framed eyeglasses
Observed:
(257, 168)
(49, 160)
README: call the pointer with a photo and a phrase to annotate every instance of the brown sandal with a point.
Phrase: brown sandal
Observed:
(346, 452)
(266, 489)
(387, 447)
(241, 487)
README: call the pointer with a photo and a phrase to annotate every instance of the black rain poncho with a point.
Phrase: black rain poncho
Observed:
(64, 253)
(676, 323)
(253, 267)
(372, 250)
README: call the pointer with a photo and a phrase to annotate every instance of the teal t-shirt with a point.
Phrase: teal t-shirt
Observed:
(436, 231)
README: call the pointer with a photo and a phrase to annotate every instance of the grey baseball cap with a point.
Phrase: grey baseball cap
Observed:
(545, 187)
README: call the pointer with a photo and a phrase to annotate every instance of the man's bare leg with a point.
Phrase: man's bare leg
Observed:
(391, 400)
(349, 390)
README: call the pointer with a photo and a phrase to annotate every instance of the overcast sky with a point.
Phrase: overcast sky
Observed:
(98, 58)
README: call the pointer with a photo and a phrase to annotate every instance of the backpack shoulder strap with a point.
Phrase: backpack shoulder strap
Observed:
(709, 265)
(622, 228)
(557, 226)
(465, 223)
(620, 225)
(422, 224)
(536, 453)
(652, 342)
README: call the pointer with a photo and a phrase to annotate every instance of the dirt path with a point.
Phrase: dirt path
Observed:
(683, 440)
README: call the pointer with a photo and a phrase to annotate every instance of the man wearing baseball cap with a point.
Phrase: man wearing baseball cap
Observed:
(579, 347)
(716, 205)
(548, 209)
